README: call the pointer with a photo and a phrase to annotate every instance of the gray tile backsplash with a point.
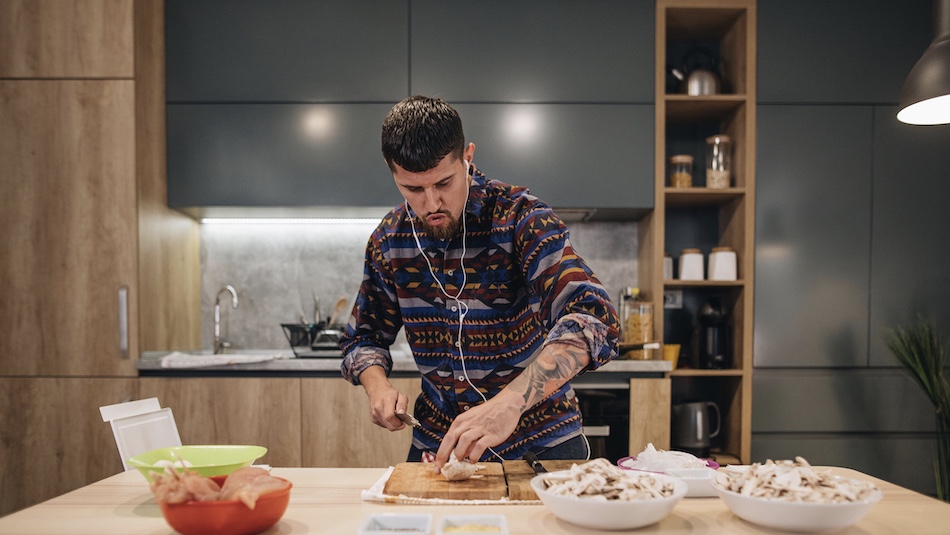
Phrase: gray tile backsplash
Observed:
(276, 268)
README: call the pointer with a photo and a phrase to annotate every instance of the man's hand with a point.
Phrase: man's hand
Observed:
(481, 427)
(490, 423)
(384, 400)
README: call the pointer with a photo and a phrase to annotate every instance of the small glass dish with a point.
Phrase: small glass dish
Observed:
(392, 523)
(473, 524)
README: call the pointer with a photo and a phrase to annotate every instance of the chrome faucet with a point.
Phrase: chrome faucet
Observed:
(219, 344)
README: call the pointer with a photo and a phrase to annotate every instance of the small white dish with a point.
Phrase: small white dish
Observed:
(392, 523)
(472, 524)
(699, 481)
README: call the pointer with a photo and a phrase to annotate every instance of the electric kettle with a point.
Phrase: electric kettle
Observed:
(692, 429)
(699, 74)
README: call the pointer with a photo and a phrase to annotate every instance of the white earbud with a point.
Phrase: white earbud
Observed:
(468, 165)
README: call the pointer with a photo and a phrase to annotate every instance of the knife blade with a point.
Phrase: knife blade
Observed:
(409, 420)
(534, 462)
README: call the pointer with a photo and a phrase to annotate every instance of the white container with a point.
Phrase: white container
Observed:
(473, 525)
(691, 265)
(667, 267)
(699, 481)
(722, 264)
(393, 523)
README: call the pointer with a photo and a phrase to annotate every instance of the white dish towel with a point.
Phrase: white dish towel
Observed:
(178, 359)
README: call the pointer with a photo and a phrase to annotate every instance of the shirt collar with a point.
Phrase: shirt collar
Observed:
(478, 191)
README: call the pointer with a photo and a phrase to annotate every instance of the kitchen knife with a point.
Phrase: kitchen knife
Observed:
(409, 420)
(534, 463)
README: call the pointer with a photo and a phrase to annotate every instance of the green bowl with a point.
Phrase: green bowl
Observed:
(206, 460)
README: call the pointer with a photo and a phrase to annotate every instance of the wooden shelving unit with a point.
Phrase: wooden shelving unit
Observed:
(728, 28)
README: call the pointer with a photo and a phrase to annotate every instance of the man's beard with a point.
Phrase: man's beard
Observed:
(443, 232)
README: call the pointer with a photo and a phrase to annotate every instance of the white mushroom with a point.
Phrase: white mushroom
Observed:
(600, 480)
(793, 481)
(456, 470)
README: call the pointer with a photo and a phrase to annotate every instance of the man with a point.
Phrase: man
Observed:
(498, 309)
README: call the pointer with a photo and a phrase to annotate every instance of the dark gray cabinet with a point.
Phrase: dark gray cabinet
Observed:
(286, 50)
(320, 155)
(279, 103)
(909, 252)
(813, 221)
(534, 50)
(570, 155)
(842, 51)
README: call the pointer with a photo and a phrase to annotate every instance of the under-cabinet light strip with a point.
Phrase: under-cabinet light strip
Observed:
(288, 221)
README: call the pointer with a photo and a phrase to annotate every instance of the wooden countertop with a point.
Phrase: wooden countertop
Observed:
(327, 500)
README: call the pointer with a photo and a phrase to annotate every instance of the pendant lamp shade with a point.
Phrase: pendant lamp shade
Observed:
(925, 97)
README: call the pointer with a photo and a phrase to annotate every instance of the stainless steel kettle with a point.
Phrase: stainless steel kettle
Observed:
(699, 74)
(692, 429)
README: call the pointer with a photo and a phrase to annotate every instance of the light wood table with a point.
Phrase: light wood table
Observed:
(327, 500)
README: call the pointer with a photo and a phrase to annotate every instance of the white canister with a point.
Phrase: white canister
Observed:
(722, 264)
(667, 267)
(691, 265)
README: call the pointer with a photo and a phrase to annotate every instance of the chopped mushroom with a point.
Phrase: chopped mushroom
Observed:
(794, 481)
(603, 481)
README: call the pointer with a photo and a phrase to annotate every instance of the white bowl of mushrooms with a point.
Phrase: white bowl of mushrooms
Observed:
(794, 496)
(600, 495)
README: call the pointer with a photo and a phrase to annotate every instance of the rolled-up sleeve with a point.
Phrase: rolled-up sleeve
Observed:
(587, 333)
(375, 320)
(363, 357)
(571, 300)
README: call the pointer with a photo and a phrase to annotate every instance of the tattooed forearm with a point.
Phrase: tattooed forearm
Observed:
(556, 365)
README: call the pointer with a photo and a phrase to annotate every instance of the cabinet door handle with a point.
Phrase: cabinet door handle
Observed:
(124, 322)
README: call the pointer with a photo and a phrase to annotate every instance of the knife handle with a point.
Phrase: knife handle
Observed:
(533, 460)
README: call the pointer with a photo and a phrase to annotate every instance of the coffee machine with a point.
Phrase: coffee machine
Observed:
(713, 336)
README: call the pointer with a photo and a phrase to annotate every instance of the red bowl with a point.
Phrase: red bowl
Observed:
(229, 517)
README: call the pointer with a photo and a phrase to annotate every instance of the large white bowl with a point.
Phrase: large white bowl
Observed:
(797, 516)
(614, 514)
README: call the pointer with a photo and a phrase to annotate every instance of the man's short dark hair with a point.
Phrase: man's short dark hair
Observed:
(419, 132)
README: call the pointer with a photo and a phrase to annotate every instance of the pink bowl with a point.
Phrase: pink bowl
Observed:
(230, 517)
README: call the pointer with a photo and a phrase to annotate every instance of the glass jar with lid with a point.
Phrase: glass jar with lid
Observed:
(681, 171)
(636, 324)
(718, 162)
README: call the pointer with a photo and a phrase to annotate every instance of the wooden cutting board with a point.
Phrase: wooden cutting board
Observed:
(419, 481)
(511, 479)
(518, 476)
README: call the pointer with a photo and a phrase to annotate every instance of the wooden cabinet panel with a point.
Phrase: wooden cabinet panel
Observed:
(169, 263)
(52, 438)
(287, 51)
(68, 210)
(649, 414)
(338, 431)
(66, 39)
(533, 51)
(215, 410)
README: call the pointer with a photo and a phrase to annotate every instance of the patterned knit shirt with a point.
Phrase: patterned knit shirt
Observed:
(524, 287)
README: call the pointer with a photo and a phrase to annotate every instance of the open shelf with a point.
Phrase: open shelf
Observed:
(703, 218)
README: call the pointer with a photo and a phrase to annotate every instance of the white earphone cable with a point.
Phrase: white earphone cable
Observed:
(459, 307)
